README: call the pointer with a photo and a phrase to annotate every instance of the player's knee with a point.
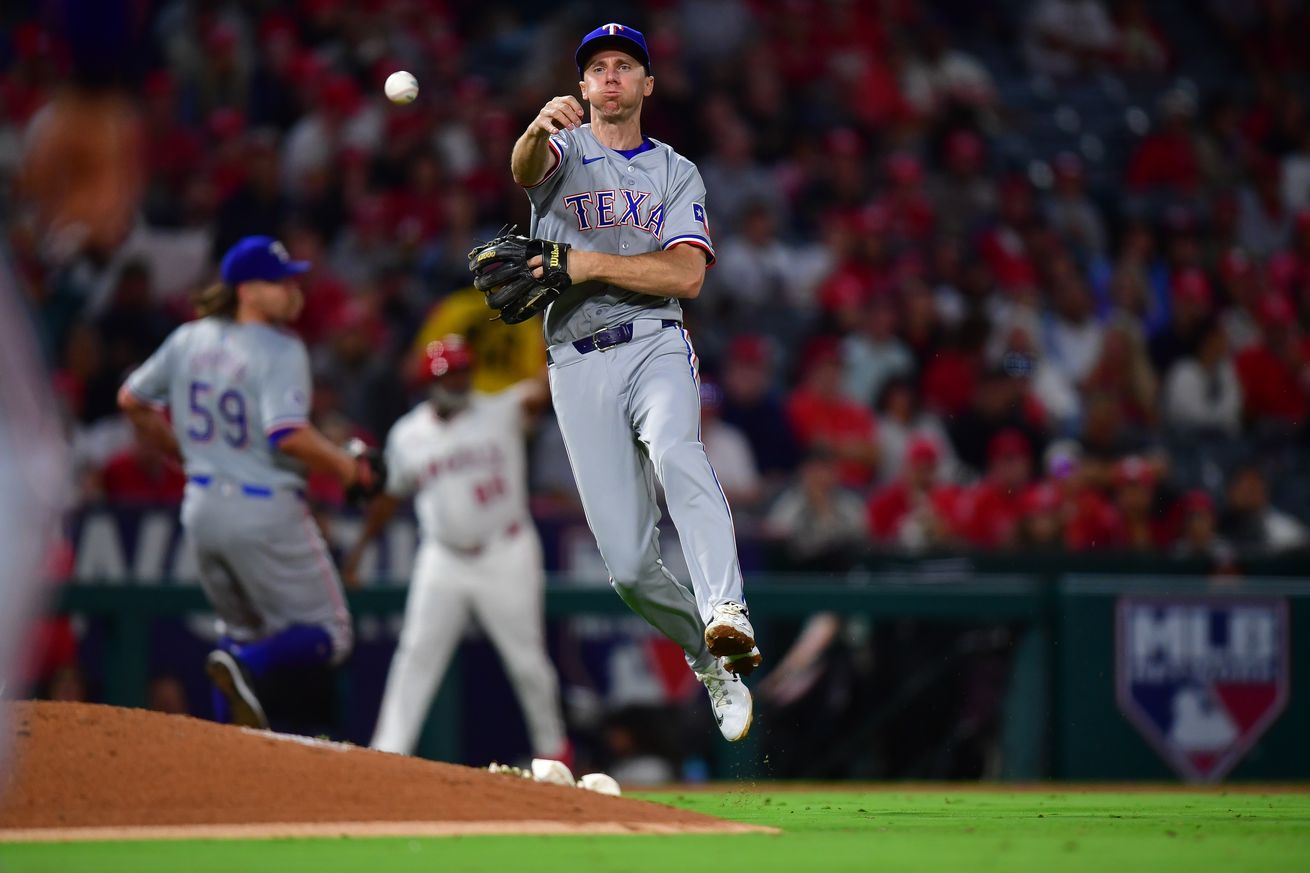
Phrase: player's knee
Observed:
(688, 457)
(625, 577)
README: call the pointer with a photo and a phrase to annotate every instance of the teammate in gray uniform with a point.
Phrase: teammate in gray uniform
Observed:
(238, 386)
(623, 373)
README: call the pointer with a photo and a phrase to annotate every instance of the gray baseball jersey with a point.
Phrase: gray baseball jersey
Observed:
(624, 203)
(234, 390)
(631, 413)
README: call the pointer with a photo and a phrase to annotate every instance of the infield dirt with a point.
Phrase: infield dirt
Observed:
(84, 771)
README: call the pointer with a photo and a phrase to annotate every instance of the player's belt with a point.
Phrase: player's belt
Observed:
(249, 490)
(608, 337)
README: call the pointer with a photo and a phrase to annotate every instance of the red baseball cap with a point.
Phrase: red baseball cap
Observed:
(1008, 444)
(1193, 286)
(922, 450)
(450, 354)
(749, 349)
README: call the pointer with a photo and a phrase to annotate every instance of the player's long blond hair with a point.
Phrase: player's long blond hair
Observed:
(218, 299)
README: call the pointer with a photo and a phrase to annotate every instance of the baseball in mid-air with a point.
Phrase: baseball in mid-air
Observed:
(401, 87)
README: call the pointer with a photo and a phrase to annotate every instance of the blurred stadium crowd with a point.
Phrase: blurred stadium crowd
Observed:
(990, 274)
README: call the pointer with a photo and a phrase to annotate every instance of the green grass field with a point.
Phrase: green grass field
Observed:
(882, 830)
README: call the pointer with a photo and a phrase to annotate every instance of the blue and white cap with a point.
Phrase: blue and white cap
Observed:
(259, 258)
(613, 36)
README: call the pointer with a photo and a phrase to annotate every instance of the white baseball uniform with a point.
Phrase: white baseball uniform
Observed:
(478, 556)
(33, 485)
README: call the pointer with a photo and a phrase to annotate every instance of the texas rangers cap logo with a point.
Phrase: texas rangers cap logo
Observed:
(1202, 678)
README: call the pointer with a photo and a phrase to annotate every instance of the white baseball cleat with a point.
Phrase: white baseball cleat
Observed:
(729, 635)
(231, 678)
(730, 700)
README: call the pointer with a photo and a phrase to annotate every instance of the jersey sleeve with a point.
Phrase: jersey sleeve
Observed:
(685, 220)
(285, 393)
(401, 481)
(150, 381)
(564, 150)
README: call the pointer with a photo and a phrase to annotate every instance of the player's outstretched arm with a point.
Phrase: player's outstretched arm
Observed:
(380, 511)
(532, 157)
(148, 422)
(308, 445)
(677, 272)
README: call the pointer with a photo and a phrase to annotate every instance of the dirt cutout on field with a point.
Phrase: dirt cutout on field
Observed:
(82, 771)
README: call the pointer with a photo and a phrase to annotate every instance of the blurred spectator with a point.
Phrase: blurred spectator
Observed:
(1074, 336)
(1142, 46)
(143, 475)
(1000, 403)
(1192, 306)
(1199, 531)
(873, 354)
(825, 420)
(765, 279)
(916, 511)
(753, 404)
(1250, 521)
(1166, 161)
(821, 525)
(989, 512)
(943, 76)
(1138, 526)
(259, 205)
(1042, 522)
(729, 452)
(901, 422)
(734, 180)
(1201, 391)
(1273, 371)
(1123, 369)
(1073, 214)
(1066, 37)
(1264, 222)
(964, 194)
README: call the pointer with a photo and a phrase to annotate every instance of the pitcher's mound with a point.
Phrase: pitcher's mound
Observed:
(84, 771)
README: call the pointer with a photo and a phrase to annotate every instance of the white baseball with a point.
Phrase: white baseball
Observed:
(401, 87)
(601, 783)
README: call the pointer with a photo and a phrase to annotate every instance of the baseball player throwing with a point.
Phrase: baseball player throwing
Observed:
(237, 384)
(461, 453)
(619, 235)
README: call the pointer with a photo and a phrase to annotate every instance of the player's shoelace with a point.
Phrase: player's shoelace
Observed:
(735, 609)
(718, 688)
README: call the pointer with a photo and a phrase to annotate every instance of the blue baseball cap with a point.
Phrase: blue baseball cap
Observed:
(260, 258)
(613, 36)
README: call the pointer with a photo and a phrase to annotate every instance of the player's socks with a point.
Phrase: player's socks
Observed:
(218, 700)
(222, 709)
(301, 645)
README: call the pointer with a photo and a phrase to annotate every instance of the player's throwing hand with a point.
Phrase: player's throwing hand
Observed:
(561, 113)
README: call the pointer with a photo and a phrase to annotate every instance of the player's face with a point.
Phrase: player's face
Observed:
(274, 302)
(451, 393)
(615, 83)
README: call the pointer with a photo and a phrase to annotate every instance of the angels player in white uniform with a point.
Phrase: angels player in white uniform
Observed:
(461, 454)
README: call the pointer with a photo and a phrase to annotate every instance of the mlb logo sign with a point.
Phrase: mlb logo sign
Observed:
(1202, 677)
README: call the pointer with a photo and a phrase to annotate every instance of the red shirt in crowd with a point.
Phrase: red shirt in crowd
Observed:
(988, 514)
(834, 421)
(127, 478)
(1271, 388)
(890, 506)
